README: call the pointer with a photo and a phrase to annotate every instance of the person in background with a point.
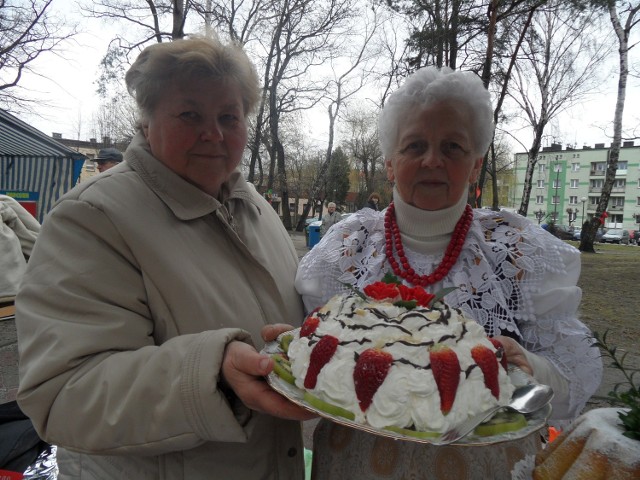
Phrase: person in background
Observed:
(108, 158)
(18, 233)
(373, 201)
(330, 219)
(511, 276)
(141, 311)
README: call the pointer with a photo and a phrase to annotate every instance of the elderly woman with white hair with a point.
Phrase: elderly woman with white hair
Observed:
(512, 277)
(330, 219)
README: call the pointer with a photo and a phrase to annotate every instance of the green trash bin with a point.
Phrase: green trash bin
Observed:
(314, 234)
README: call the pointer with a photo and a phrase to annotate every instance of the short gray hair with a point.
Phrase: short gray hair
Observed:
(160, 64)
(430, 85)
(331, 204)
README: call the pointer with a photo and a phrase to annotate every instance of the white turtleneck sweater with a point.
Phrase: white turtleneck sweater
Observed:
(426, 231)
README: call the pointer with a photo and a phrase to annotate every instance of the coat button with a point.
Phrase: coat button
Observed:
(292, 452)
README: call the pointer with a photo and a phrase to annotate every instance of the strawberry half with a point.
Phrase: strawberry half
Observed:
(446, 372)
(370, 371)
(320, 356)
(500, 353)
(488, 363)
(309, 325)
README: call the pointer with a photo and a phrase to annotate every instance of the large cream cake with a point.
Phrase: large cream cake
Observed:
(426, 368)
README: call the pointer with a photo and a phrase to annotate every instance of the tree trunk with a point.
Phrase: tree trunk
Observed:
(587, 238)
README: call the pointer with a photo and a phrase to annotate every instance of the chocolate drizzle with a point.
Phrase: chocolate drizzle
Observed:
(351, 308)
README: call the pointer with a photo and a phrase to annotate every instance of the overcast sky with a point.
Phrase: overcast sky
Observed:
(70, 88)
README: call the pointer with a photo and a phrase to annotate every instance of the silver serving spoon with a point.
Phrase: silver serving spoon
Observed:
(525, 399)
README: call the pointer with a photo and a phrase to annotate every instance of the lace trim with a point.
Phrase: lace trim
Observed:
(501, 266)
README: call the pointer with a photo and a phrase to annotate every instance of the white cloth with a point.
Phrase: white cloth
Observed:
(512, 277)
(18, 233)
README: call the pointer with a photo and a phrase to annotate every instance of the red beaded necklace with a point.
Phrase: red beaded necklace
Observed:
(403, 269)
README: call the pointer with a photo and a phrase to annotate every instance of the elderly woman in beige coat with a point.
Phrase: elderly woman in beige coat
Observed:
(142, 308)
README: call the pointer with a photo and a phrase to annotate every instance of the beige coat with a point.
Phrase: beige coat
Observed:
(136, 284)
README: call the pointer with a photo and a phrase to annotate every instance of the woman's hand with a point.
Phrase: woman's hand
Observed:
(270, 332)
(243, 368)
(515, 354)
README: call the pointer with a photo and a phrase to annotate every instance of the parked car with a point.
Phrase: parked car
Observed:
(616, 235)
(577, 234)
(563, 232)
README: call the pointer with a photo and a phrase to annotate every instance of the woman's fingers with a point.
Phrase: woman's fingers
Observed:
(270, 332)
(515, 354)
(243, 370)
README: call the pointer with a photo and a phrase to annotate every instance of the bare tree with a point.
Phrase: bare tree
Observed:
(349, 76)
(28, 31)
(622, 27)
(363, 147)
(560, 54)
(145, 20)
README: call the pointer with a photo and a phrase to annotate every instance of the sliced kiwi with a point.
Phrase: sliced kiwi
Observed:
(282, 367)
(285, 340)
(328, 407)
(501, 422)
(412, 433)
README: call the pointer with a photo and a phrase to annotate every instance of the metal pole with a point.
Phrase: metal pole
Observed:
(556, 199)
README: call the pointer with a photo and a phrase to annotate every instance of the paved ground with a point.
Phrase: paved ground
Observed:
(8, 360)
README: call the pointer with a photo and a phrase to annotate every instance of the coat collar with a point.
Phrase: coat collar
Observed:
(185, 200)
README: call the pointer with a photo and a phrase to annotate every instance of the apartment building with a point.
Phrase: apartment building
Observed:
(567, 184)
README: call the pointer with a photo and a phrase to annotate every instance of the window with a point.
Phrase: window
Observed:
(555, 200)
(617, 201)
(540, 199)
(615, 219)
(541, 167)
(540, 183)
(598, 183)
(593, 201)
(573, 200)
(619, 183)
(557, 167)
(575, 167)
(556, 183)
(574, 183)
(622, 165)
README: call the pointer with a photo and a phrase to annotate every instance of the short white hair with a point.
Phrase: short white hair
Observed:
(430, 85)
(331, 204)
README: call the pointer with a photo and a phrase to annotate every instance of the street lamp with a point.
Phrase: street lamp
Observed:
(540, 215)
(583, 199)
(556, 200)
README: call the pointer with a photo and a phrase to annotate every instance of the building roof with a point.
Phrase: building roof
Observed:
(20, 139)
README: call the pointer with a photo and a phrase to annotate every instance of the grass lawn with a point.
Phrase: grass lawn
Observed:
(611, 296)
(611, 300)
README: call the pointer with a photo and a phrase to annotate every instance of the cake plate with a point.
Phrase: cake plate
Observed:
(535, 420)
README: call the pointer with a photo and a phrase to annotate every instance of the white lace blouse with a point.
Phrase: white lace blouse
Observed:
(512, 277)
